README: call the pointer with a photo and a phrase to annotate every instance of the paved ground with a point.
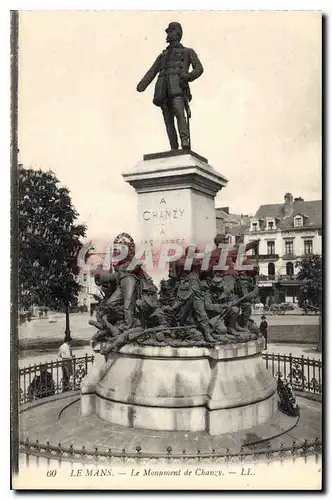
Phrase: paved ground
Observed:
(53, 329)
(40, 339)
(43, 328)
(46, 423)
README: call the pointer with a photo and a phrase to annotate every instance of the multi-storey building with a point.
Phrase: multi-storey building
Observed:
(88, 288)
(288, 232)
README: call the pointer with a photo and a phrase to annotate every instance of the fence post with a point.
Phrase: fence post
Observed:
(314, 384)
(138, 456)
(25, 390)
(74, 373)
(290, 369)
(29, 376)
(302, 369)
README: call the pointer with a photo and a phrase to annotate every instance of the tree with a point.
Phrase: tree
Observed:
(311, 277)
(311, 290)
(49, 242)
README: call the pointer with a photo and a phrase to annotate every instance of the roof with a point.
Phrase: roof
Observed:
(310, 209)
(232, 218)
(220, 214)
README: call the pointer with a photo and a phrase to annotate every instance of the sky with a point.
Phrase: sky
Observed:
(256, 110)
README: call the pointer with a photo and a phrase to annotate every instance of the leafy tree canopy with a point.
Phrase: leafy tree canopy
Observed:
(49, 241)
(311, 275)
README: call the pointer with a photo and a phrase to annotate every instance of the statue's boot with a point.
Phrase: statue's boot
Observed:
(216, 336)
(208, 336)
(239, 328)
(231, 331)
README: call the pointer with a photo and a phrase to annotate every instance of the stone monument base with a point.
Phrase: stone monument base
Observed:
(220, 390)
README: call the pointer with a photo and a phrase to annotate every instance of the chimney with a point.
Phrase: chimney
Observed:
(288, 204)
(225, 209)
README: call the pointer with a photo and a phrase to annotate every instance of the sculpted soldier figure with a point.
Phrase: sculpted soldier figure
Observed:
(172, 92)
(190, 295)
(221, 306)
(239, 283)
(130, 299)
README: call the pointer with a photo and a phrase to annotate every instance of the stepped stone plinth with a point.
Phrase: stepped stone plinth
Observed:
(218, 390)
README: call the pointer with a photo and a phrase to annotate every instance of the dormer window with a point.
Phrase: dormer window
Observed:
(270, 225)
(254, 225)
(298, 221)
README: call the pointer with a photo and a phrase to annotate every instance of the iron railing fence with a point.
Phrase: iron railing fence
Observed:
(56, 377)
(303, 374)
(53, 377)
(49, 452)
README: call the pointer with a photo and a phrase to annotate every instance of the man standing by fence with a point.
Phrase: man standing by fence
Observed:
(263, 328)
(66, 355)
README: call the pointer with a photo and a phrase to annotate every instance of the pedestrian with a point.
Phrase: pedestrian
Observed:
(263, 328)
(66, 355)
(42, 385)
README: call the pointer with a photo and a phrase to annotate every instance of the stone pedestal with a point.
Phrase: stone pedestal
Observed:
(220, 390)
(176, 192)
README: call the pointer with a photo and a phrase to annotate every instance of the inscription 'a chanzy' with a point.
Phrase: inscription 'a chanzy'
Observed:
(160, 214)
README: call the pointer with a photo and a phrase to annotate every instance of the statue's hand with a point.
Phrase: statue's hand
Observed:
(139, 303)
(140, 87)
(185, 77)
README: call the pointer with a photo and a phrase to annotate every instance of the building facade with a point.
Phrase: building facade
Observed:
(88, 288)
(233, 225)
(289, 232)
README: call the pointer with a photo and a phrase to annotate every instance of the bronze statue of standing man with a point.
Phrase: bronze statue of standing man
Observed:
(172, 92)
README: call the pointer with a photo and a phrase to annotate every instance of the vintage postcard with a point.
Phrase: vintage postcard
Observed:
(166, 250)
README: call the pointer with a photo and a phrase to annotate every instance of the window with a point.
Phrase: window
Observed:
(85, 278)
(298, 221)
(289, 269)
(307, 247)
(289, 247)
(271, 269)
(271, 248)
(270, 225)
(254, 226)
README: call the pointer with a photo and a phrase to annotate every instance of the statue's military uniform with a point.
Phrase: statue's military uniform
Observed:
(190, 295)
(172, 93)
(219, 297)
(245, 285)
